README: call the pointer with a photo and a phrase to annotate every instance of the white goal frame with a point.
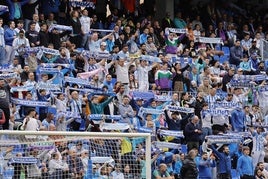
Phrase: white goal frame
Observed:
(104, 135)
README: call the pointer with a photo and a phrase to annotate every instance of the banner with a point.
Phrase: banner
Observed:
(101, 30)
(171, 133)
(21, 88)
(23, 160)
(115, 126)
(102, 160)
(99, 117)
(60, 27)
(240, 85)
(151, 58)
(50, 51)
(143, 95)
(41, 145)
(48, 70)
(177, 31)
(77, 81)
(248, 78)
(169, 145)
(180, 109)
(82, 4)
(86, 75)
(263, 88)
(144, 130)
(8, 75)
(230, 105)
(210, 40)
(30, 103)
(48, 86)
(6, 68)
(68, 114)
(3, 9)
(149, 111)
(223, 112)
(220, 139)
(53, 65)
(162, 98)
(102, 55)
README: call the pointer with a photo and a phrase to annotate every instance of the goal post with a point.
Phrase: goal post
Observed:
(48, 154)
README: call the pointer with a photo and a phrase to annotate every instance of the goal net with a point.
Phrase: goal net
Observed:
(68, 155)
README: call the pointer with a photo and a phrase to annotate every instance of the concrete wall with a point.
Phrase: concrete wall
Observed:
(163, 6)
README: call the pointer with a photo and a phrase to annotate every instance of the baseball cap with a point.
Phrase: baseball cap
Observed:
(103, 43)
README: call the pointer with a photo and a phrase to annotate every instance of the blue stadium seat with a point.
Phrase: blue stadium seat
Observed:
(223, 59)
(218, 47)
(184, 149)
(216, 57)
(226, 51)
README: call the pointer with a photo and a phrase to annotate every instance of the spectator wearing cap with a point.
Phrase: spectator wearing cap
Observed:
(94, 41)
(102, 48)
(254, 49)
(236, 53)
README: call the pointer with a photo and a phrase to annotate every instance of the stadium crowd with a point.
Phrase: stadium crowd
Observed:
(189, 81)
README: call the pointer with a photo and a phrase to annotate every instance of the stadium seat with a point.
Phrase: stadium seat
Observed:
(226, 51)
(218, 47)
(184, 149)
(223, 59)
(216, 57)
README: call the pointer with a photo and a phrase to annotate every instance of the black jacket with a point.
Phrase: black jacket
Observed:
(189, 169)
